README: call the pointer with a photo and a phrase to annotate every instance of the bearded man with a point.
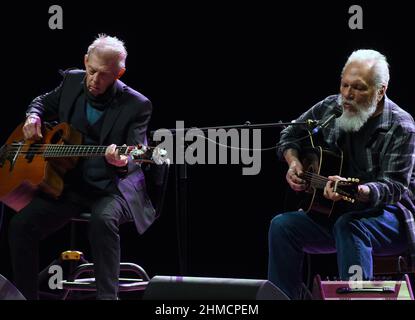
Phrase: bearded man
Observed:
(376, 139)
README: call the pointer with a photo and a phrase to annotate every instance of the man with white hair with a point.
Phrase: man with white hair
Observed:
(107, 112)
(377, 139)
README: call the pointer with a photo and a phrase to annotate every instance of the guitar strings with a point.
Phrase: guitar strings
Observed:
(37, 149)
(16, 146)
(315, 178)
(34, 146)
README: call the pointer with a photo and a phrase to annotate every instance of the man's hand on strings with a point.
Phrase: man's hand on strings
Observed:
(113, 157)
(293, 176)
(329, 188)
(32, 128)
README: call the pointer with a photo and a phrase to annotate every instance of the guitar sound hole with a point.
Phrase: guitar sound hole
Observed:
(57, 137)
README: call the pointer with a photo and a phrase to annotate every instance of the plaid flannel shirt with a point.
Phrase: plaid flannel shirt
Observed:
(390, 156)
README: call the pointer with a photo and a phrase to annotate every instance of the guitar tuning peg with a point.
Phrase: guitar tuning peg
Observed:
(349, 179)
(352, 200)
(357, 180)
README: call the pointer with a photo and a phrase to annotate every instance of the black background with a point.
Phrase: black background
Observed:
(208, 64)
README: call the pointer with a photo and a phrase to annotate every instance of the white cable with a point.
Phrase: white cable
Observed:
(249, 149)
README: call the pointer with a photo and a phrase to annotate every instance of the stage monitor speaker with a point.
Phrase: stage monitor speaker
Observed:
(9, 291)
(200, 288)
(362, 290)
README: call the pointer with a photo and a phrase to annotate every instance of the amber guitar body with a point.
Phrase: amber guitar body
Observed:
(27, 167)
(24, 170)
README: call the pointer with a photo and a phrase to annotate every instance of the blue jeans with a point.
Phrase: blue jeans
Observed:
(354, 235)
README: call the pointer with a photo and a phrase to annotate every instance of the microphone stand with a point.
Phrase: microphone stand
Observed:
(181, 178)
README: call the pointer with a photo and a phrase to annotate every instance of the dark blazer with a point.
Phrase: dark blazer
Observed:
(125, 121)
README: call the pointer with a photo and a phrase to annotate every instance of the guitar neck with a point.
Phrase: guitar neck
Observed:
(59, 151)
(139, 153)
(347, 188)
(315, 180)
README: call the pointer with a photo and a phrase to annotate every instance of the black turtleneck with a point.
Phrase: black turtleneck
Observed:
(101, 101)
(91, 173)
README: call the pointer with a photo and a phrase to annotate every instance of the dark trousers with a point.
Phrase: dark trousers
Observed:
(355, 236)
(45, 215)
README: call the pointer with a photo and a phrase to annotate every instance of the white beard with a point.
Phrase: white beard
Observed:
(351, 122)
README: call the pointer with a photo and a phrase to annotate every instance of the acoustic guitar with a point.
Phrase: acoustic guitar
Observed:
(27, 166)
(318, 164)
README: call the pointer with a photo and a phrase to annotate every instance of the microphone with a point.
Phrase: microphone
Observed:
(324, 123)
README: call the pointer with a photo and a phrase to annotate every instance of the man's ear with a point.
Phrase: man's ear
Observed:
(381, 92)
(120, 73)
(85, 60)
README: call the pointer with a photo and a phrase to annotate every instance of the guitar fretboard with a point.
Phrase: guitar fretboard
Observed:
(315, 180)
(58, 151)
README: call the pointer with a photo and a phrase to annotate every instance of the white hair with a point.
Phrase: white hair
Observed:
(108, 44)
(376, 60)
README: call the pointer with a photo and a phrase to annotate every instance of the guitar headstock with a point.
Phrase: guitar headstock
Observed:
(348, 189)
(141, 153)
(159, 156)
